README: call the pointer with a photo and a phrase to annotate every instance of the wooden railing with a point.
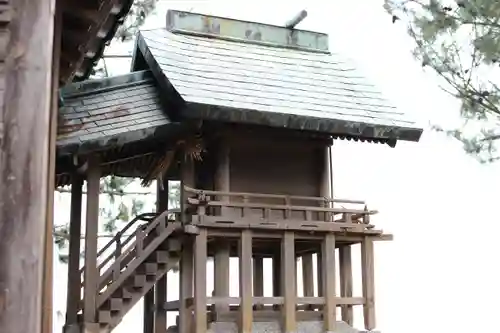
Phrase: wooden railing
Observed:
(244, 208)
(111, 265)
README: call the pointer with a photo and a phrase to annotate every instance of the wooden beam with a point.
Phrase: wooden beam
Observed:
(345, 265)
(75, 228)
(49, 222)
(200, 282)
(221, 273)
(186, 286)
(258, 276)
(328, 272)
(149, 311)
(245, 261)
(161, 289)
(308, 275)
(368, 280)
(91, 273)
(25, 115)
(289, 289)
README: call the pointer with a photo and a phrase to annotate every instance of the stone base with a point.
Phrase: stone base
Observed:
(274, 327)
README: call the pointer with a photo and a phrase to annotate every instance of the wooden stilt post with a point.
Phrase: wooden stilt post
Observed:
(221, 274)
(186, 287)
(345, 264)
(307, 275)
(289, 289)
(245, 261)
(328, 272)
(25, 99)
(75, 229)
(200, 282)
(258, 278)
(149, 311)
(91, 229)
(276, 262)
(160, 318)
(368, 280)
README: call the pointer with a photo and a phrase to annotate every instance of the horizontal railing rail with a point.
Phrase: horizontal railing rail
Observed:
(240, 205)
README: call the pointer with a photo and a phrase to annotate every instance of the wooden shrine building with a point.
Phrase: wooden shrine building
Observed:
(244, 115)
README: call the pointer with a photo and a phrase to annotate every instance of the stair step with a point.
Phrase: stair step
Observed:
(150, 268)
(105, 317)
(174, 245)
(139, 280)
(116, 304)
(161, 257)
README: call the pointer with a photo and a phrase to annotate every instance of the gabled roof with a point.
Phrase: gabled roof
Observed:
(112, 111)
(232, 75)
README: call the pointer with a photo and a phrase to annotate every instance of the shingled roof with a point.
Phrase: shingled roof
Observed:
(111, 111)
(254, 73)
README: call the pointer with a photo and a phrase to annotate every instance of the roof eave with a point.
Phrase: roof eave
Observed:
(336, 128)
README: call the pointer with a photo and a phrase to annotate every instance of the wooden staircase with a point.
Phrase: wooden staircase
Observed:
(129, 271)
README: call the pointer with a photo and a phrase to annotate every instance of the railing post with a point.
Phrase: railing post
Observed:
(118, 253)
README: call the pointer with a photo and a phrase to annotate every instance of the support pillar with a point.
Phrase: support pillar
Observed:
(258, 278)
(245, 261)
(149, 311)
(307, 275)
(200, 282)
(25, 95)
(276, 262)
(91, 273)
(160, 317)
(345, 265)
(328, 272)
(186, 287)
(75, 227)
(221, 274)
(368, 280)
(289, 289)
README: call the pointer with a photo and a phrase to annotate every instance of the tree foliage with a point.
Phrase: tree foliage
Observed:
(460, 41)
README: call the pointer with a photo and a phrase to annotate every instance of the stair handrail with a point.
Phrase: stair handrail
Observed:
(146, 217)
(137, 244)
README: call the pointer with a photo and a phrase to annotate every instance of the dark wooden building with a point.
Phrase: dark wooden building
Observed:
(244, 115)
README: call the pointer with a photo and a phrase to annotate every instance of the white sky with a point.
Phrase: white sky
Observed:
(440, 273)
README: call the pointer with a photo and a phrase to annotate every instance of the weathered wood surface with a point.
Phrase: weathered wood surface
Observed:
(25, 87)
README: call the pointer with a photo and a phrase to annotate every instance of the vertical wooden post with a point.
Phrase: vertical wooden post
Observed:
(24, 162)
(221, 274)
(75, 229)
(91, 228)
(368, 280)
(328, 272)
(289, 289)
(245, 261)
(319, 273)
(345, 264)
(149, 311)
(258, 276)
(307, 275)
(186, 287)
(276, 262)
(200, 282)
(160, 325)
(49, 222)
